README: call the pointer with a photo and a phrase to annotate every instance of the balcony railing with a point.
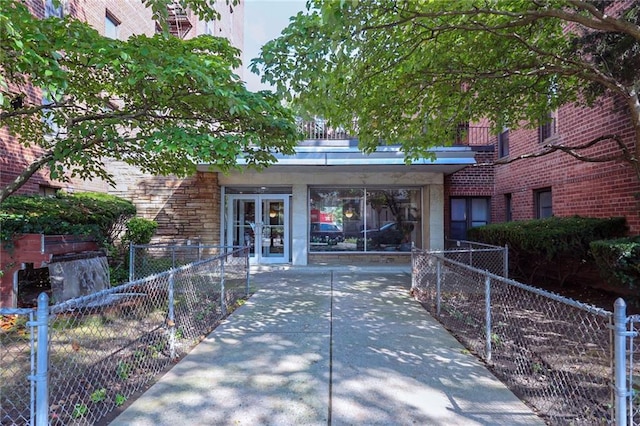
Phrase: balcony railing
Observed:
(466, 135)
(319, 129)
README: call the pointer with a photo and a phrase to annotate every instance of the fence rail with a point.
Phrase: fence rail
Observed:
(555, 353)
(101, 349)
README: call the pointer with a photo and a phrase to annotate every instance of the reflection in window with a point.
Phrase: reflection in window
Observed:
(364, 219)
(467, 212)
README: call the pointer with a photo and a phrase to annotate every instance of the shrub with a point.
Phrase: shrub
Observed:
(100, 215)
(556, 247)
(139, 231)
(618, 261)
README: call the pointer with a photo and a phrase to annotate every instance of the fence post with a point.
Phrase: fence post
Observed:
(247, 268)
(173, 257)
(171, 318)
(42, 361)
(223, 302)
(487, 315)
(506, 261)
(620, 361)
(131, 262)
(438, 283)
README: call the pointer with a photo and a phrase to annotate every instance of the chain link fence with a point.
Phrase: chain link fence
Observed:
(478, 255)
(17, 364)
(148, 259)
(553, 352)
(105, 347)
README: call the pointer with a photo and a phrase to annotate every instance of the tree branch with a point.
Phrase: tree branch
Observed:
(624, 154)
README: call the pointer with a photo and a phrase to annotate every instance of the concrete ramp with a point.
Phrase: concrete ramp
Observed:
(322, 346)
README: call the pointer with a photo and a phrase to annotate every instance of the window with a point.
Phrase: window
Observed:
(547, 127)
(210, 28)
(52, 129)
(503, 144)
(467, 212)
(508, 217)
(543, 203)
(47, 191)
(111, 24)
(51, 9)
(364, 219)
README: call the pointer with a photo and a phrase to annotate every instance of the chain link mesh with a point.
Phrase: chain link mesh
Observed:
(16, 365)
(553, 352)
(106, 347)
(634, 370)
(153, 258)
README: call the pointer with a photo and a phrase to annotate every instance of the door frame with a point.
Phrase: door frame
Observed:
(256, 256)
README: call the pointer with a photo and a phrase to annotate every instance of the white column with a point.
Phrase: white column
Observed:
(436, 217)
(299, 224)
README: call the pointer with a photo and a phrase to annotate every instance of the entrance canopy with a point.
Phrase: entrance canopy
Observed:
(344, 155)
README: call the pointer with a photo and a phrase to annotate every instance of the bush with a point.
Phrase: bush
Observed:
(139, 231)
(619, 261)
(100, 215)
(556, 247)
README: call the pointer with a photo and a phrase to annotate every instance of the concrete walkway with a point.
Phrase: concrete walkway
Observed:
(322, 346)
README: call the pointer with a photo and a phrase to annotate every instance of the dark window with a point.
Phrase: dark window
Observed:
(48, 191)
(507, 208)
(467, 212)
(547, 127)
(503, 144)
(543, 203)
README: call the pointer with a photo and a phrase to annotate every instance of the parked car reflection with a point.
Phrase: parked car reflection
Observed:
(327, 233)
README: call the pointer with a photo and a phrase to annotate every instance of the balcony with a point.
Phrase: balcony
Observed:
(178, 21)
(320, 129)
(466, 135)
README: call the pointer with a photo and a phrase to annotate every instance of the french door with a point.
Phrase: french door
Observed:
(262, 222)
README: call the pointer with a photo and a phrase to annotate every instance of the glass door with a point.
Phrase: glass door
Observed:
(262, 222)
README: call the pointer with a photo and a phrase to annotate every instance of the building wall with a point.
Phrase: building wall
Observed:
(578, 188)
(184, 208)
(472, 181)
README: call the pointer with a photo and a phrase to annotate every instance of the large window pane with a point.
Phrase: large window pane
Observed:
(364, 219)
(336, 218)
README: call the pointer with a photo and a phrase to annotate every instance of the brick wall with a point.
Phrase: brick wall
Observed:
(472, 181)
(587, 189)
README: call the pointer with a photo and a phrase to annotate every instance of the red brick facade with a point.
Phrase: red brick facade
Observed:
(577, 187)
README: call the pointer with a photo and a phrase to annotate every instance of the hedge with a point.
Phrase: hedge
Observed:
(619, 261)
(555, 248)
(100, 215)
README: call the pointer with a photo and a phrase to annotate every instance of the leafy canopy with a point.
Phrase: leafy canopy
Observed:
(160, 103)
(411, 71)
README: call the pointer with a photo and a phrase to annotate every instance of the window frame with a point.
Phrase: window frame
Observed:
(111, 18)
(540, 206)
(503, 144)
(508, 207)
(468, 215)
(548, 127)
